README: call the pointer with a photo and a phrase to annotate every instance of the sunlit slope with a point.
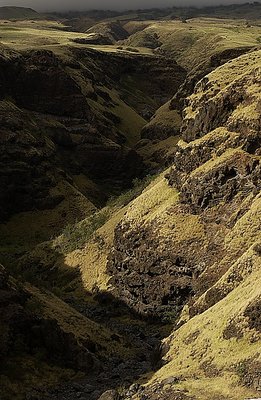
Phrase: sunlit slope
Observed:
(199, 46)
(220, 348)
(193, 43)
(206, 240)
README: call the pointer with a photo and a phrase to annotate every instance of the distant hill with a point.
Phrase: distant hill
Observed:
(18, 13)
(113, 31)
(245, 10)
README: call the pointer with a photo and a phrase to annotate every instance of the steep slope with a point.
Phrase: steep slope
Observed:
(213, 184)
(216, 355)
(48, 143)
(45, 341)
(199, 243)
(113, 31)
(65, 151)
(199, 46)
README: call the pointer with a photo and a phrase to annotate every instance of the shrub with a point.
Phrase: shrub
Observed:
(76, 235)
(241, 369)
(133, 50)
(126, 197)
(33, 305)
(170, 316)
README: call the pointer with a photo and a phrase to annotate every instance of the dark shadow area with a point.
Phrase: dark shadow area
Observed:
(29, 337)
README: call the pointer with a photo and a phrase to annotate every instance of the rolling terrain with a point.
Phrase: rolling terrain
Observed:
(131, 211)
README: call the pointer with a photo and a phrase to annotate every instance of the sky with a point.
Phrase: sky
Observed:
(52, 5)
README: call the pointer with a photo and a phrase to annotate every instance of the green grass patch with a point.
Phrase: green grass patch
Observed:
(75, 236)
(126, 197)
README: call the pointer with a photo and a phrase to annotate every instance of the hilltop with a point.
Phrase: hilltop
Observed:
(18, 13)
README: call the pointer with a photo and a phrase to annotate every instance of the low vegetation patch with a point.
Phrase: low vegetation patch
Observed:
(126, 197)
(75, 236)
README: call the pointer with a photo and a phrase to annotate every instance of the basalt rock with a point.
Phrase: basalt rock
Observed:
(159, 127)
(215, 168)
(219, 156)
(152, 283)
(37, 81)
(27, 175)
(234, 174)
(178, 102)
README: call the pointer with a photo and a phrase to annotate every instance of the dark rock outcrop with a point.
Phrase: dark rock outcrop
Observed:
(219, 158)
(153, 283)
(214, 174)
(37, 81)
(27, 172)
(160, 129)
(95, 38)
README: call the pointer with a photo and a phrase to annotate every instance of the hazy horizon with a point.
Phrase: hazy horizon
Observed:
(81, 5)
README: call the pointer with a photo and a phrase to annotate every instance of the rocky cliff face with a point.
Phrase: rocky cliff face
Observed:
(37, 81)
(157, 261)
(230, 112)
(198, 244)
(160, 126)
(129, 72)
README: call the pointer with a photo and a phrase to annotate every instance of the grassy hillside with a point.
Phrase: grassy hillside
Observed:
(32, 34)
(194, 43)
(199, 46)
(18, 13)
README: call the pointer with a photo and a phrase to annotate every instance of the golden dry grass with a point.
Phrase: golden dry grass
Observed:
(50, 35)
(193, 43)
(201, 341)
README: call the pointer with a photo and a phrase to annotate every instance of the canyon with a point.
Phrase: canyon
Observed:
(130, 209)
